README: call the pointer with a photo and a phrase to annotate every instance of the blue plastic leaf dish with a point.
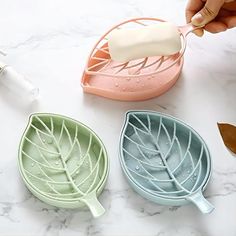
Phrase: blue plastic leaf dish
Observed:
(165, 160)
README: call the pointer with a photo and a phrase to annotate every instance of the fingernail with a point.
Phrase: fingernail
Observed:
(197, 19)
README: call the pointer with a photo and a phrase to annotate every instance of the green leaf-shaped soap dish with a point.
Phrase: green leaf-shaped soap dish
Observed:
(165, 160)
(63, 162)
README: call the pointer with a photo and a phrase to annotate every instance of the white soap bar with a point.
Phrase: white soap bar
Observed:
(160, 39)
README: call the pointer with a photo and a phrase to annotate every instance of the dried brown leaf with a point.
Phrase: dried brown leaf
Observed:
(228, 133)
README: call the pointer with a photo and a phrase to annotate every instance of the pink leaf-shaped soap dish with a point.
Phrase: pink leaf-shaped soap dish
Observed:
(134, 80)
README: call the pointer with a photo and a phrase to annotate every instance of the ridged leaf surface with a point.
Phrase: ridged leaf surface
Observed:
(162, 155)
(61, 158)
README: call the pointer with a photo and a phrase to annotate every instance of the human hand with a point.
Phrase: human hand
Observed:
(214, 15)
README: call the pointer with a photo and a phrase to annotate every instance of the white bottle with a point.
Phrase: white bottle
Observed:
(17, 83)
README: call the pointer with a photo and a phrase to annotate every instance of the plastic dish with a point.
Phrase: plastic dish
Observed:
(134, 80)
(63, 162)
(165, 160)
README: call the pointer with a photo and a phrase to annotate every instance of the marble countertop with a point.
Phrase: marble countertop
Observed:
(49, 41)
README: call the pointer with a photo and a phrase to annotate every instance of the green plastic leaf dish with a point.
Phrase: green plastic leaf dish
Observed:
(63, 162)
(164, 159)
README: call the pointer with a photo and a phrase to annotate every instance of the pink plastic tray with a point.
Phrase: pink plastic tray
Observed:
(135, 80)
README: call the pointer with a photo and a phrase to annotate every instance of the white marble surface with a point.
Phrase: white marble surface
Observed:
(49, 41)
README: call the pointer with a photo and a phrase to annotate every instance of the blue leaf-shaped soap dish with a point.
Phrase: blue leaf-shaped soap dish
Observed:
(165, 160)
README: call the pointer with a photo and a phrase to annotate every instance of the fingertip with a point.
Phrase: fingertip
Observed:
(199, 32)
(197, 19)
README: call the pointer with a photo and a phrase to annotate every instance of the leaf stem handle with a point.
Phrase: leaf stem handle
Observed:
(200, 201)
(93, 204)
(188, 28)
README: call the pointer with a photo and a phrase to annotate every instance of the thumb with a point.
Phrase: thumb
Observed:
(207, 13)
